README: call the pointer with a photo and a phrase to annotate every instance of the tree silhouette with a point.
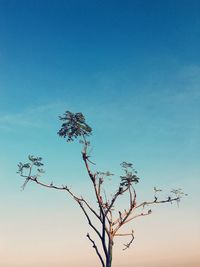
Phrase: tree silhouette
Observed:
(111, 220)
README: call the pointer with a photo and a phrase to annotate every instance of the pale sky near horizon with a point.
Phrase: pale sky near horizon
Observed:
(133, 69)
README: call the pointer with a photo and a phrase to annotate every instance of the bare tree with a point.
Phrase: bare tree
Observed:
(106, 220)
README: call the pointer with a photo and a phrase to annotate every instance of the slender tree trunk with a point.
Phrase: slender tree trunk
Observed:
(109, 258)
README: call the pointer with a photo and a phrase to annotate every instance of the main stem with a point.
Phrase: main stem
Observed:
(109, 249)
(109, 257)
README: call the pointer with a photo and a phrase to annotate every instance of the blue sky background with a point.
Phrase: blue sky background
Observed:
(133, 68)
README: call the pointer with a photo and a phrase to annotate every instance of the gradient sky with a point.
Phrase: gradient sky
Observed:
(133, 69)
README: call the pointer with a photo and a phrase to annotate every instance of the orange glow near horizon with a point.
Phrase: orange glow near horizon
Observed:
(49, 242)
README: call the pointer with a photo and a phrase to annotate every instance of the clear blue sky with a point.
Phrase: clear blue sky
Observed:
(132, 67)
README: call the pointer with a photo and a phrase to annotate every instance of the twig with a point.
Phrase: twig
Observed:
(130, 242)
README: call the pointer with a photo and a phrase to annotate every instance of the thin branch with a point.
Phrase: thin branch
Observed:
(134, 198)
(91, 161)
(157, 202)
(130, 242)
(94, 228)
(62, 188)
(132, 206)
(85, 159)
(122, 234)
(92, 177)
(119, 192)
(149, 211)
(27, 177)
(129, 212)
(89, 220)
(138, 215)
(99, 186)
(131, 198)
(123, 218)
(25, 183)
(90, 208)
(96, 249)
